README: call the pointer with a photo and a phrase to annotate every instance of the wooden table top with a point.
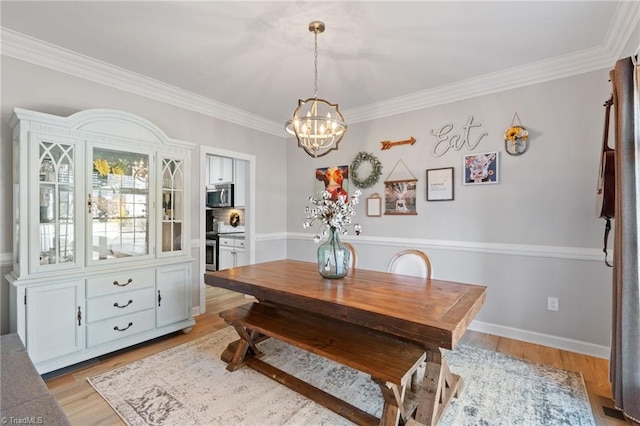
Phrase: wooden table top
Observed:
(427, 311)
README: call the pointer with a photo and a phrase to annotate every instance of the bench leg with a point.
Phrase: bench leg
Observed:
(250, 336)
(246, 343)
(393, 408)
(439, 385)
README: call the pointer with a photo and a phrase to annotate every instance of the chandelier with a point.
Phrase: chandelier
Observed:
(317, 124)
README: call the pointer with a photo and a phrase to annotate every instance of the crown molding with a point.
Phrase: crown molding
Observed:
(38, 52)
(624, 22)
(513, 78)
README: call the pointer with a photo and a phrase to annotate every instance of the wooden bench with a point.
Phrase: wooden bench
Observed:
(389, 361)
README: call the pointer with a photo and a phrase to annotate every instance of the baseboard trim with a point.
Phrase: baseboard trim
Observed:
(557, 342)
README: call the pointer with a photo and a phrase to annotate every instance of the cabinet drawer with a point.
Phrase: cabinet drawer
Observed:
(117, 282)
(226, 242)
(113, 305)
(119, 327)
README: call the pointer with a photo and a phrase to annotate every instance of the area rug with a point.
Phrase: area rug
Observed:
(189, 385)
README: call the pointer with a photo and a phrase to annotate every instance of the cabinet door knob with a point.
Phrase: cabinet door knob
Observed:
(159, 298)
(123, 306)
(129, 281)
(79, 316)
(89, 203)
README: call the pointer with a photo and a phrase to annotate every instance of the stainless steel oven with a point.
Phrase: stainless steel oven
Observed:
(211, 253)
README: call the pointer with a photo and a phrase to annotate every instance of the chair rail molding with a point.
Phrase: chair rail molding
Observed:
(555, 252)
(6, 259)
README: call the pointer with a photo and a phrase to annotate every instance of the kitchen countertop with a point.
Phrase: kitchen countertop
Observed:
(235, 235)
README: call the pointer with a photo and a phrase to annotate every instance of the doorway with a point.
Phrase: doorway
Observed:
(249, 175)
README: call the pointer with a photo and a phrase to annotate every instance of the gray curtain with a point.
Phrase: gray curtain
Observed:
(625, 344)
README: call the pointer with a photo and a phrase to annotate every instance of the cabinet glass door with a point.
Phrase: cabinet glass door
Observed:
(119, 204)
(56, 203)
(172, 204)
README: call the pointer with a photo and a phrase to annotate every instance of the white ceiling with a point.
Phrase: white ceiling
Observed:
(230, 58)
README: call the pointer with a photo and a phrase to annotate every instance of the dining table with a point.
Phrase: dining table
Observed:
(429, 312)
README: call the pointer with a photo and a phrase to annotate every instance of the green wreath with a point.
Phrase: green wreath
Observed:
(376, 170)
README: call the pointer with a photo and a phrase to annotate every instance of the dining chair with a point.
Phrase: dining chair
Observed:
(410, 262)
(354, 258)
(417, 264)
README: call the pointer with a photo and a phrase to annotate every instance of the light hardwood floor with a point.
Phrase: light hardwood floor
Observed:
(84, 406)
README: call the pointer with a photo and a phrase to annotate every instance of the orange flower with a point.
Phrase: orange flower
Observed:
(516, 132)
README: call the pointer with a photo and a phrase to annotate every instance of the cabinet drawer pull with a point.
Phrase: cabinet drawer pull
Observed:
(116, 328)
(123, 306)
(129, 281)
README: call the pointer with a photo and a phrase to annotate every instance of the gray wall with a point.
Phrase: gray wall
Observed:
(28, 86)
(531, 236)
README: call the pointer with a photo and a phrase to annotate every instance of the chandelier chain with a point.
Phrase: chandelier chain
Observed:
(315, 64)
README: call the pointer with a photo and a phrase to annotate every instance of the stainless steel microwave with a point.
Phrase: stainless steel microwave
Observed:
(220, 195)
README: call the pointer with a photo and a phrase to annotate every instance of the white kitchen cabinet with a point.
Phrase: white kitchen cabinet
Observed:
(100, 227)
(232, 253)
(240, 182)
(241, 253)
(220, 170)
(226, 258)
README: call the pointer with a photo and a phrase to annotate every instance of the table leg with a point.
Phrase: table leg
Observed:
(439, 385)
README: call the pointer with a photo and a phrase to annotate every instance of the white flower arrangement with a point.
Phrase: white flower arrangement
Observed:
(333, 214)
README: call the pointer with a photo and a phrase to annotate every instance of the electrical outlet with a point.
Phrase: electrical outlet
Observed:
(553, 304)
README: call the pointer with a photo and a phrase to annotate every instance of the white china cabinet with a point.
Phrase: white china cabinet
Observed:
(101, 256)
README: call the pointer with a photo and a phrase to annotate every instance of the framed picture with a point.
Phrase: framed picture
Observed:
(334, 179)
(400, 197)
(374, 205)
(440, 184)
(480, 169)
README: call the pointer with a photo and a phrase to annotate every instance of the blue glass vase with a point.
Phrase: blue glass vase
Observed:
(333, 257)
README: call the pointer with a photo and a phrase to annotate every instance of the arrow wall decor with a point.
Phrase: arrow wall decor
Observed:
(389, 144)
